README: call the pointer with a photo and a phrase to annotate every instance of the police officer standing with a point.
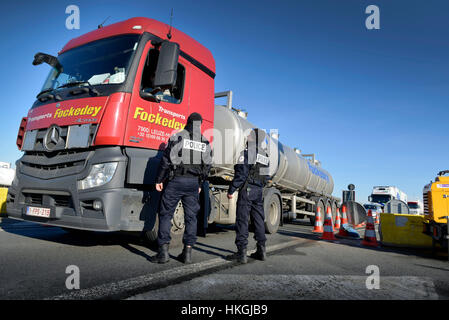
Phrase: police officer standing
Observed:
(185, 165)
(250, 176)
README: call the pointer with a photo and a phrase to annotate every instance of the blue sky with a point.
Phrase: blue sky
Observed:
(371, 104)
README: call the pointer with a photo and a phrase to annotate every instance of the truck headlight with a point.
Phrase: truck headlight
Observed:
(99, 175)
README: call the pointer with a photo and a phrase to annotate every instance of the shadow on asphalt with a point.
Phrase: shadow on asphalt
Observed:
(199, 245)
(91, 238)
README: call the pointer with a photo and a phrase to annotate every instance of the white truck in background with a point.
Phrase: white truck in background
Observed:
(383, 194)
(6, 174)
(416, 207)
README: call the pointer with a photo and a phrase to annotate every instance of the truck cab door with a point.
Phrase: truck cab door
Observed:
(155, 114)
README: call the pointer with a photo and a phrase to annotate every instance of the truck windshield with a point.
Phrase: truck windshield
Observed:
(413, 205)
(104, 61)
(380, 198)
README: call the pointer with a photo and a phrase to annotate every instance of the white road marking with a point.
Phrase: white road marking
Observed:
(115, 288)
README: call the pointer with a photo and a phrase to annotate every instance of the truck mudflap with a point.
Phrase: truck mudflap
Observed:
(60, 201)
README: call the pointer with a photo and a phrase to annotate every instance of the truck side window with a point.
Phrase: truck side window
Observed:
(172, 96)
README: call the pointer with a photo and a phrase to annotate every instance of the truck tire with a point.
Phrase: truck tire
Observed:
(151, 235)
(272, 210)
(177, 226)
(176, 231)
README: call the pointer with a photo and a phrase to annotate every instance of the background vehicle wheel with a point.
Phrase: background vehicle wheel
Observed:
(273, 211)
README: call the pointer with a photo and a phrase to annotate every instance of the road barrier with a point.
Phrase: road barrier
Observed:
(3, 195)
(403, 230)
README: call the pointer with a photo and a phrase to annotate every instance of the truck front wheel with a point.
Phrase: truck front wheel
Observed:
(176, 231)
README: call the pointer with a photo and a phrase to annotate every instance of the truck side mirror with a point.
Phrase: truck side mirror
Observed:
(370, 199)
(167, 65)
(40, 58)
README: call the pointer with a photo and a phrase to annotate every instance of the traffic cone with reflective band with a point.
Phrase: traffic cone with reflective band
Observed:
(337, 220)
(318, 221)
(344, 216)
(370, 233)
(328, 233)
(344, 221)
(377, 218)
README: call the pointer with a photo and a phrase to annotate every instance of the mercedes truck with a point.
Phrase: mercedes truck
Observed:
(93, 138)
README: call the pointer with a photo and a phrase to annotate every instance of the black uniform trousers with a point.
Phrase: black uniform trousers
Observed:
(184, 188)
(250, 205)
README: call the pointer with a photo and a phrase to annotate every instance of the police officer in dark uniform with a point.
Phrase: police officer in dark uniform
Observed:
(185, 165)
(251, 175)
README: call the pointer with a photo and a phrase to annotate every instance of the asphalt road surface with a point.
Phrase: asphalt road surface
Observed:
(34, 261)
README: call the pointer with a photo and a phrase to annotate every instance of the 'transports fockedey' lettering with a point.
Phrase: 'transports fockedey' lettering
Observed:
(87, 110)
(140, 113)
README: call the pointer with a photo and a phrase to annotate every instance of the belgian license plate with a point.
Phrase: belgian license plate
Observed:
(38, 212)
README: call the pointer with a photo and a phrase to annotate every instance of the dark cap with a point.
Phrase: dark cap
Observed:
(194, 117)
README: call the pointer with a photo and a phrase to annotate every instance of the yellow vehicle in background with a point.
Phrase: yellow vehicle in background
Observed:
(436, 208)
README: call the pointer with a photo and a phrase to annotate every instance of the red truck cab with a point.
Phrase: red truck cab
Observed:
(93, 138)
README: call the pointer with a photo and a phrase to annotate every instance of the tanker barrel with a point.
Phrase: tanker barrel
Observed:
(293, 172)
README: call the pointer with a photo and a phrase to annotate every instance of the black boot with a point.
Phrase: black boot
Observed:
(162, 256)
(240, 256)
(260, 254)
(186, 255)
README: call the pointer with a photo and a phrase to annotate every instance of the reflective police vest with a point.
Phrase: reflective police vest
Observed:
(189, 158)
(258, 174)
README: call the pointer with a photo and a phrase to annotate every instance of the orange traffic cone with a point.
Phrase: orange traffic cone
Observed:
(344, 220)
(337, 220)
(344, 216)
(377, 218)
(370, 233)
(328, 233)
(318, 221)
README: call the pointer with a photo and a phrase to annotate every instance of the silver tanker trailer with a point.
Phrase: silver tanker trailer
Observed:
(299, 184)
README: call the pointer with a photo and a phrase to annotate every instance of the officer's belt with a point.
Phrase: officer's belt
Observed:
(183, 172)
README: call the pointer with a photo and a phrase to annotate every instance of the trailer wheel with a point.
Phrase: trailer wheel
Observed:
(272, 209)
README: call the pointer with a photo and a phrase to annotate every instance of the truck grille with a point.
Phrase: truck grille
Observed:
(33, 198)
(62, 201)
(38, 144)
(48, 165)
(48, 199)
(426, 202)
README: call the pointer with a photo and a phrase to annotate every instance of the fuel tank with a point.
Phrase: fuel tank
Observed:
(292, 172)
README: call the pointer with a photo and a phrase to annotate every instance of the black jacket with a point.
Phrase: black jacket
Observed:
(184, 150)
(250, 169)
